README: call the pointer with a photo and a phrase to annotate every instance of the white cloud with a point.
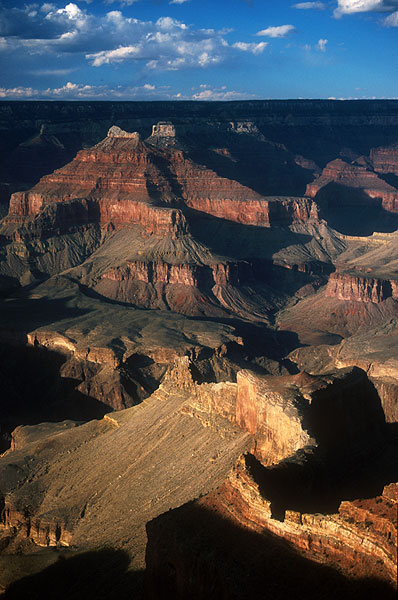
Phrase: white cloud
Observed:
(77, 91)
(18, 92)
(310, 5)
(391, 20)
(321, 45)
(253, 48)
(178, 1)
(275, 32)
(221, 93)
(348, 7)
(113, 56)
(165, 44)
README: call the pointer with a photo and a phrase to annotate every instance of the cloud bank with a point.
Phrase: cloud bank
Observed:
(148, 91)
(165, 44)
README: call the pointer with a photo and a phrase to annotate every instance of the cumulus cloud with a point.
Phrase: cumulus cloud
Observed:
(348, 7)
(276, 32)
(310, 5)
(321, 45)
(178, 1)
(113, 38)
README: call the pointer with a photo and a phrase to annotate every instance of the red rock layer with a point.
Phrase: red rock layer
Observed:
(354, 176)
(119, 213)
(360, 538)
(185, 274)
(345, 286)
(227, 542)
(125, 180)
(260, 212)
(184, 288)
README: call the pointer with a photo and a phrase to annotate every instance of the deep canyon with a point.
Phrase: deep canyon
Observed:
(198, 334)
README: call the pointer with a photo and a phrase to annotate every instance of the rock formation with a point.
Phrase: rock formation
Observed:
(198, 339)
(345, 286)
(385, 159)
(359, 178)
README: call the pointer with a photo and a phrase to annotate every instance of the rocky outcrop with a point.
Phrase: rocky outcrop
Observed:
(288, 414)
(122, 178)
(118, 454)
(237, 548)
(359, 178)
(261, 212)
(301, 507)
(347, 286)
(116, 132)
(179, 286)
(385, 159)
(185, 274)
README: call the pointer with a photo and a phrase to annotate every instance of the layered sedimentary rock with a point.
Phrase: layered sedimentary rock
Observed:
(68, 355)
(266, 212)
(120, 452)
(298, 509)
(150, 189)
(350, 552)
(288, 414)
(347, 286)
(122, 176)
(119, 273)
(356, 177)
(385, 159)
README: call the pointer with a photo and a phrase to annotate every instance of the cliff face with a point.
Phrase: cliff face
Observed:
(122, 176)
(266, 212)
(38, 137)
(142, 286)
(152, 189)
(294, 508)
(186, 288)
(345, 286)
(291, 563)
(287, 414)
(385, 159)
(359, 178)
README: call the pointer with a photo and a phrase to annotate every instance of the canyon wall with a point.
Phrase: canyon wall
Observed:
(347, 286)
(354, 177)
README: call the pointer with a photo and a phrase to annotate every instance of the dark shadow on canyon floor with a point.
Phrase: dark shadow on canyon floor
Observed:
(97, 575)
(194, 553)
(312, 484)
(352, 212)
(33, 390)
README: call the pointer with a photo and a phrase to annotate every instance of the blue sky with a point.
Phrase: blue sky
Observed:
(198, 49)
